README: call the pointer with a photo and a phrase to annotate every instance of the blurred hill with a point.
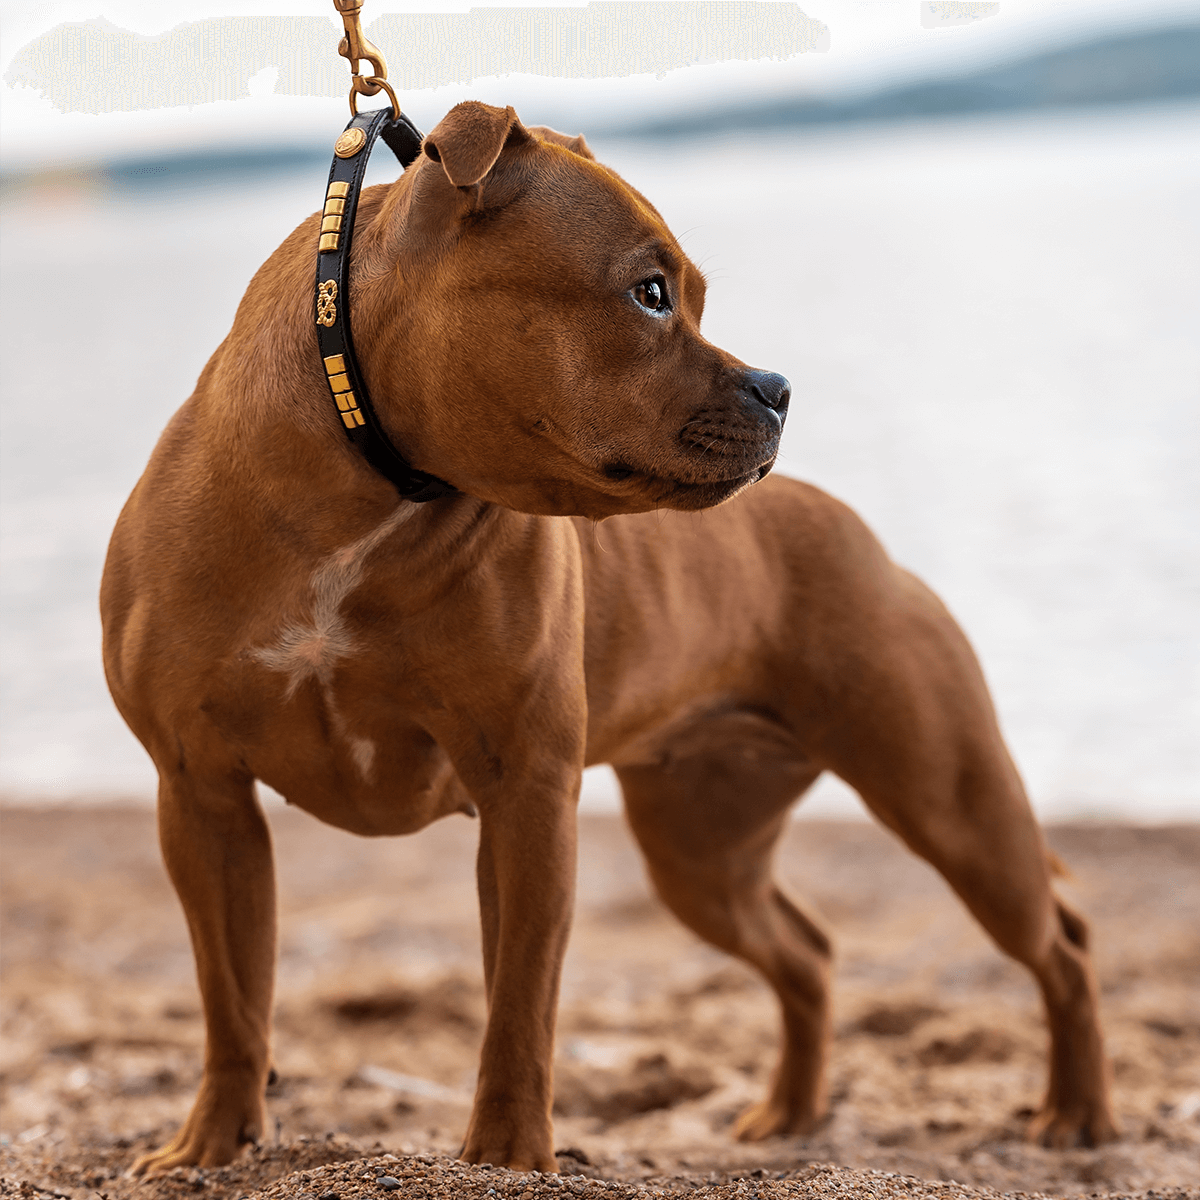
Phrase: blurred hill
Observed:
(1134, 68)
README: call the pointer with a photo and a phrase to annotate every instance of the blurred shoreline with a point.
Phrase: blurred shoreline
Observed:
(990, 322)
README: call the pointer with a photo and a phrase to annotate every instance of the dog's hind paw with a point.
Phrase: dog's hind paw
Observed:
(1066, 1129)
(769, 1118)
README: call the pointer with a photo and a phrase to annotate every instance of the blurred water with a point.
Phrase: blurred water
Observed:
(992, 330)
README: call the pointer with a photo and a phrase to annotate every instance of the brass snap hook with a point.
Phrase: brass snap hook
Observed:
(355, 47)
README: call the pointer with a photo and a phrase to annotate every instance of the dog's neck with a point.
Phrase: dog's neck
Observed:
(268, 378)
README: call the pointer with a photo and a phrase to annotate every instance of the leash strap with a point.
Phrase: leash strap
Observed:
(342, 372)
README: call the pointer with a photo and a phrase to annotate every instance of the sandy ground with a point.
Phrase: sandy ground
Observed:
(937, 1063)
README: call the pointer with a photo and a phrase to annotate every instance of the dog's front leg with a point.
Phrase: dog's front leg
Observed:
(526, 874)
(217, 848)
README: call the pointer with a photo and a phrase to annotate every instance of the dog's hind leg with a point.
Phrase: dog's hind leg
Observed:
(924, 751)
(707, 819)
(217, 849)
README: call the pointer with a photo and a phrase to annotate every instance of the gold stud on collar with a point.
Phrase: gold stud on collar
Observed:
(339, 385)
(350, 143)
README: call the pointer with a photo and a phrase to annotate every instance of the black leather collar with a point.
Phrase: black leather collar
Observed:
(342, 373)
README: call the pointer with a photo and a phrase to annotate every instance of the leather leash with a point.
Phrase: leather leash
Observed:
(332, 299)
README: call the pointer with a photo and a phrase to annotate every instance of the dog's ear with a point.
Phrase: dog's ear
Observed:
(469, 138)
(459, 164)
(575, 144)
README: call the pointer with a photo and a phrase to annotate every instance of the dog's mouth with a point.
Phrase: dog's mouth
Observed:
(681, 493)
(628, 487)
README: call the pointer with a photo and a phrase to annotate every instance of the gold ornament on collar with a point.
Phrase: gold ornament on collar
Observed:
(326, 309)
(350, 143)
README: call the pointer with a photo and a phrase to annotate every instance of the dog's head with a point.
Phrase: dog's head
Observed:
(532, 333)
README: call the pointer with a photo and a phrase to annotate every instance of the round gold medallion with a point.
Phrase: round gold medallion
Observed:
(350, 143)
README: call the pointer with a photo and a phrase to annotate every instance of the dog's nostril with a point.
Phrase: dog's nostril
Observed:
(769, 388)
(618, 471)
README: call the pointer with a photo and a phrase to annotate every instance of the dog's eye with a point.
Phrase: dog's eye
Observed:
(652, 294)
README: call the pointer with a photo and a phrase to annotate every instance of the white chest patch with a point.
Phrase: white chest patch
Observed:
(312, 648)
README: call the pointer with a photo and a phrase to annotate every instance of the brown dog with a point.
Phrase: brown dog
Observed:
(530, 331)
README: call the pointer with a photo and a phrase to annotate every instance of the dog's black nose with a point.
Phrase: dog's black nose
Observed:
(770, 389)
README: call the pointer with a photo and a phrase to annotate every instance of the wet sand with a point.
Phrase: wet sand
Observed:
(937, 1063)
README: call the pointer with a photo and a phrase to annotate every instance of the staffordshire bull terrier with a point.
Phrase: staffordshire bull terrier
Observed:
(530, 331)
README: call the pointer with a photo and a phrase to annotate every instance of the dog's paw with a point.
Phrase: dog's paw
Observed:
(514, 1157)
(1065, 1129)
(157, 1162)
(517, 1145)
(187, 1150)
(769, 1118)
(514, 1160)
(213, 1135)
